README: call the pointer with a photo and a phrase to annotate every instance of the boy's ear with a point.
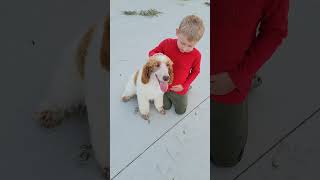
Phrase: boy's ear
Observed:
(177, 31)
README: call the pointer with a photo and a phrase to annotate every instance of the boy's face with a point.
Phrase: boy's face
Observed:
(183, 44)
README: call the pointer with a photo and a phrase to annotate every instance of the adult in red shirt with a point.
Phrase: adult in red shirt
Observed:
(245, 35)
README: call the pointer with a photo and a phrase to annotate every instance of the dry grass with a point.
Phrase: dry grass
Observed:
(148, 13)
(129, 13)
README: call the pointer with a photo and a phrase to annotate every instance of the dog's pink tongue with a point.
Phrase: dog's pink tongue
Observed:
(163, 86)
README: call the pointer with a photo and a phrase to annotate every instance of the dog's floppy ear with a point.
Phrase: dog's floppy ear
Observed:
(169, 64)
(147, 70)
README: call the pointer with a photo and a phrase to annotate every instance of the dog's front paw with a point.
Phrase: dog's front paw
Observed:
(162, 111)
(48, 119)
(145, 117)
(125, 98)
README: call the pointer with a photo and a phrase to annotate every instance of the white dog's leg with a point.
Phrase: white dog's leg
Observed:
(158, 102)
(143, 104)
(64, 94)
(130, 89)
(97, 100)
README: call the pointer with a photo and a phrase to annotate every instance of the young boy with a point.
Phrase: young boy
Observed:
(186, 61)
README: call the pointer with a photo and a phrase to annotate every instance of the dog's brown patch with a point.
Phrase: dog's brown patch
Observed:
(136, 77)
(148, 68)
(171, 74)
(104, 53)
(82, 50)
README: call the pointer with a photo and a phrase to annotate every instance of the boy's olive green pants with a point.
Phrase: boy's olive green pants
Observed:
(228, 132)
(179, 102)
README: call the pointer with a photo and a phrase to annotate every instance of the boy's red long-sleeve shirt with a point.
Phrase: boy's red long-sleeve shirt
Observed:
(236, 49)
(186, 66)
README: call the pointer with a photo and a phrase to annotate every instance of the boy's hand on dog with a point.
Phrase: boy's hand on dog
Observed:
(221, 84)
(157, 54)
(177, 88)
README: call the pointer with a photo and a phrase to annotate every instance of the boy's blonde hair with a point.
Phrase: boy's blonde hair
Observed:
(192, 27)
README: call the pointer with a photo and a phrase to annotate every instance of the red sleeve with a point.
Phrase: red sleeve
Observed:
(273, 29)
(159, 48)
(194, 72)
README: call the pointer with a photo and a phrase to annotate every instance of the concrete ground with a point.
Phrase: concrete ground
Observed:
(171, 146)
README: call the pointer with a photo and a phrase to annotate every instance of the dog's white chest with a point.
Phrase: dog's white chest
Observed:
(150, 90)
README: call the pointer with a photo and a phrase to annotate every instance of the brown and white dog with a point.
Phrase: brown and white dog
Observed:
(150, 83)
(81, 85)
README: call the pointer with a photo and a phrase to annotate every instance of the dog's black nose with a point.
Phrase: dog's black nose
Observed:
(165, 78)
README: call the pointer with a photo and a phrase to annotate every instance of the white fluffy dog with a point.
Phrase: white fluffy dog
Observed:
(150, 83)
(81, 85)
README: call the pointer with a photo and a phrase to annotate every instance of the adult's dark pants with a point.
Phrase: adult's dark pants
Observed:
(228, 132)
